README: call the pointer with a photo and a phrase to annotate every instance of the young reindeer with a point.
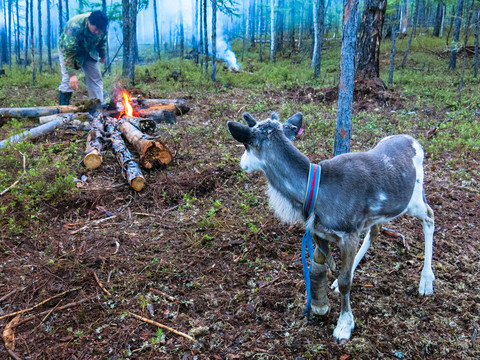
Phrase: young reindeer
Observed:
(357, 192)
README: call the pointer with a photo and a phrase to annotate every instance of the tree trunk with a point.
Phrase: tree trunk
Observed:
(67, 11)
(456, 36)
(280, 25)
(467, 31)
(214, 40)
(404, 18)
(205, 34)
(292, 26)
(252, 23)
(34, 69)
(27, 34)
(40, 45)
(368, 46)
(126, 20)
(438, 20)
(17, 36)
(9, 50)
(202, 51)
(260, 29)
(347, 70)
(181, 33)
(195, 30)
(60, 17)
(477, 28)
(300, 29)
(49, 35)
(412, 33)
(246, 23)
(318, 26)
(392, 57)
(133, 42)
(272, 31)
(157, 35)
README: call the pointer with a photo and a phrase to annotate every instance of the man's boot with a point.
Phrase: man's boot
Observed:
(65, 98)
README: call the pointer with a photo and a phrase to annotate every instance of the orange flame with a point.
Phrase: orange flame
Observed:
(127, 107)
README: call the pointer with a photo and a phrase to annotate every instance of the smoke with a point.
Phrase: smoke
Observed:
(225, 52)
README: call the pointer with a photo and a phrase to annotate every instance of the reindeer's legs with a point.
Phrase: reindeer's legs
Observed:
(346, 323)
(371, 235)
(319, 284)
(419, 208)
(426, 280)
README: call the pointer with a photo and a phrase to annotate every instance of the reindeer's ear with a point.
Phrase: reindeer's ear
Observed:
(251, 122)
(274, 116)
(292, 126)
(239, 132)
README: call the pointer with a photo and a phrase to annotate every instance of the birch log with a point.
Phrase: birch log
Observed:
(180, 105)
(130, 169)
(93, 157)
(151, 150)
(36, 131)
(158, 114)
(147, 126)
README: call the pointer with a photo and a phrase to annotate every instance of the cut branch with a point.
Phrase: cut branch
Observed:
(93, 158)
(180, 105)
(130, 169)
(151, 150)
(161, 326)
(147, 126)
(159, 115)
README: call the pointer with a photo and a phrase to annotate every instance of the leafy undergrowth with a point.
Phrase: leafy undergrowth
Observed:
(201, 231)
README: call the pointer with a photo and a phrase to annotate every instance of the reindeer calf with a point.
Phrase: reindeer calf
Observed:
(357, 192)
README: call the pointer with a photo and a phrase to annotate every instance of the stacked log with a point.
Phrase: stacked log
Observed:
(130, 169)
(151, 150)
(93, 157)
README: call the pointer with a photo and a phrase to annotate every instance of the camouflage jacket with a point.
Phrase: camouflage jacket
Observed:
(77, 43)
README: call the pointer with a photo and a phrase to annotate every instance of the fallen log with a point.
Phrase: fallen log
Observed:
(36, 131)
(147, 126)
(130, 169)
(92, 157)
(151, 150)
(159, 115)
(180, 105)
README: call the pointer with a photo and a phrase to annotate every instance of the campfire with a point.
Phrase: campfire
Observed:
(131, 120)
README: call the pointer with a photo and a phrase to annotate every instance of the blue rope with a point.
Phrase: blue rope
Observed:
(307, 244)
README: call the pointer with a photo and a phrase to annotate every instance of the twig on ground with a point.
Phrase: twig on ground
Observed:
(66, 306)
(269, 283)
(161, 326)
(395, 234)
(20, 178)
(96, 222)
(168, 297)
(14, 355)
(100, 284)
(39, 304)
(9, 294)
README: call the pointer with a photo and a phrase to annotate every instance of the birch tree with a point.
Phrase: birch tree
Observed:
(318, 28)
(214, 40)
(343, 131)
(272, 31)
(39, 46)
(456, 36)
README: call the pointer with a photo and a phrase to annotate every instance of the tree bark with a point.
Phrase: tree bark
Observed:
(49, 36)
(130, 169)
(181, 33)
(368, 46)
(412, 33)
(27, 34)
(438, 20)
(205, 34)
(177, 106)
(392, 57)
(126, 20)
(34, 69)
(93, 151)
(60, 17)
(214, 40)
(318, 28)
(40, 45)
(260, 29)
(157, 35)
(202, 51)
(477, 30)
(272, 31)
(347, 70)
(67, 10)
(456, 36)
(280, 25)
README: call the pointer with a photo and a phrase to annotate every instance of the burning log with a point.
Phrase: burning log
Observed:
(159, 115)
(130, 169)
(151, 150)
(147, 126)
(93, 158)
(36, 131)
(180, 106)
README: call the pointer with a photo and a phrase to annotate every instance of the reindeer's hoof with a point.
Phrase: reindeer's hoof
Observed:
(426, 283)
(345, 326)
(334, 286)
(320, 310)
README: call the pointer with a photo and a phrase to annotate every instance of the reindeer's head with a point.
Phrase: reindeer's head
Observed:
(264, 135)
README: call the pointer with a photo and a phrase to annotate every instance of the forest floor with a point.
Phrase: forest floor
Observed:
(202, 232)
